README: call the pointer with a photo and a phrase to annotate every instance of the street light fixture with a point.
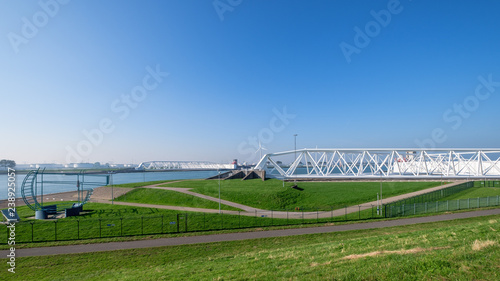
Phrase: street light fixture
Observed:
(295, 147)
(219, 191)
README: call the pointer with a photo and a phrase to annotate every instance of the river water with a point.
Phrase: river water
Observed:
(119, 178)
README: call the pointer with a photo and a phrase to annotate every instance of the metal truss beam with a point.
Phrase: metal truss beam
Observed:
(385, 162)
(183, 165)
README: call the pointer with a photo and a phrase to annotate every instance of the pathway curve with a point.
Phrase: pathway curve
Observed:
(251, 211)
(161, 242)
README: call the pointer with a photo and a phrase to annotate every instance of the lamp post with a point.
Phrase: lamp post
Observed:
(381, 193)
(295, 147)
(219, 191)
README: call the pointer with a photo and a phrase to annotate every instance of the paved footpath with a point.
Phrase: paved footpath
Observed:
(74, 249)
(250, 211)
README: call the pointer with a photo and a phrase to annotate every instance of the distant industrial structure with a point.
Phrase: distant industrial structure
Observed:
(388, 163)
(186, 165)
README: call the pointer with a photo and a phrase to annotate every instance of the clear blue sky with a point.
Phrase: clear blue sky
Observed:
(66, 68)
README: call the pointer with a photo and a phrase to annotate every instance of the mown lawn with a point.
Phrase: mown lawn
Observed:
(453, 250)
(271, 194)
(170, 198)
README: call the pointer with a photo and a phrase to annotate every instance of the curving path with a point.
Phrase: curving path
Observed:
(162, 242)
(251, 211)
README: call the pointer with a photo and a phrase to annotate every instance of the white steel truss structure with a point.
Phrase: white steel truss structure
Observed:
(183, 165)
(386, 163)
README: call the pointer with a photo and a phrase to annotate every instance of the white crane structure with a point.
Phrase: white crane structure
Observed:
(184, 165)
(384, 163)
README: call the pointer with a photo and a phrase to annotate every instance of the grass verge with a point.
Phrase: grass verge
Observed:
(271, 194)
(465, 249)
(170, 198)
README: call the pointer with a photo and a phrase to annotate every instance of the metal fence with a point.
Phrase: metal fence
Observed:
(440, 206)
(91, 228)
(431, 196)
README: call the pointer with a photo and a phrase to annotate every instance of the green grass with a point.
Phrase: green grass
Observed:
(141, 184)
(474, 192)
(432, 251)
(170, 198)
(271, 194)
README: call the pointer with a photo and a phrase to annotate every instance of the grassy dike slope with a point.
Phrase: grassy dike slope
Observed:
(465, 249)
(271, 194)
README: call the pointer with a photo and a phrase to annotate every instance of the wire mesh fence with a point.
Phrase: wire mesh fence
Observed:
(440, 206)
(91, 228)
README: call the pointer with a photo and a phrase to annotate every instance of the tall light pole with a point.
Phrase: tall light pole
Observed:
(295, 147)
(219, 191)
(381, 193)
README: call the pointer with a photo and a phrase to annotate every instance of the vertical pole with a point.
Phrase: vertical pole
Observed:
(219, 191)
(239, 219)
(359, 212)
(177, 223)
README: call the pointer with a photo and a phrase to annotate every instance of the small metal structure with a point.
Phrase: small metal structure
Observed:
(32, 190)
(387, 163)
(184, 165)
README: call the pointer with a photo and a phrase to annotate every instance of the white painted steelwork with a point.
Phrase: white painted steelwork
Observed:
(385, 162)
(183, 165)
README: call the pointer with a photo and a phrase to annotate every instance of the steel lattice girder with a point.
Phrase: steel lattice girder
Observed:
(387, 162)
(183, 165)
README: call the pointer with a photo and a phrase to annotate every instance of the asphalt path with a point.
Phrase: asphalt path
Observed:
(161, 242)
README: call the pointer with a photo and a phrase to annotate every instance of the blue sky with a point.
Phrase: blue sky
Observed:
(240, 72)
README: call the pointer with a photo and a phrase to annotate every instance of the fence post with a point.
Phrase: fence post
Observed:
(478, 203)
(177, 223)
(414, 208)
(239, 219)
(404, 208)
(487, 201)
(222, 220)
(468, 203)
(458, 204)
(317, 215)
(447, 205)
(437, 206)
(359, 212)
